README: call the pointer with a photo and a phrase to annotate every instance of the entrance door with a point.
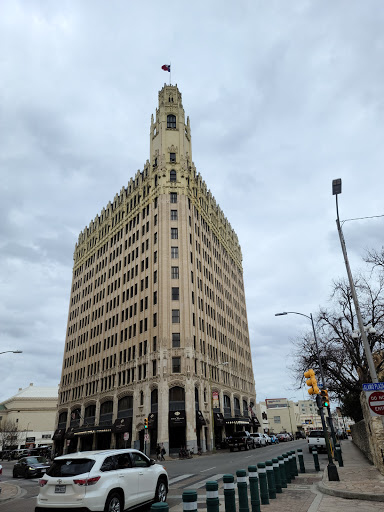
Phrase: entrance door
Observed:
(141, 439)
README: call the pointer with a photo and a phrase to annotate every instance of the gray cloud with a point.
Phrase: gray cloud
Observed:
(282, 98)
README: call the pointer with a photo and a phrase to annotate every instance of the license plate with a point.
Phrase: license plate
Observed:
(60, 489)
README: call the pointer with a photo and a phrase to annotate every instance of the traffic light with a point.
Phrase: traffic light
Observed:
(312, 382)
(145, 422)
(324, 397)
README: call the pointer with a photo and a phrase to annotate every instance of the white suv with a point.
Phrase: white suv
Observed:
(108, 480)
(258, 439)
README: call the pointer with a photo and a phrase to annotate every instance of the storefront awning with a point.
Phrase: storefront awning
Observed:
(238, 421)
(122, 425)
(152, 420)
(59, 434)
(218, 418)
(177, 419)
(86, 431)
(200, 420)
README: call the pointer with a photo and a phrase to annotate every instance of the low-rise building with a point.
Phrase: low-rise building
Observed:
(27, 419)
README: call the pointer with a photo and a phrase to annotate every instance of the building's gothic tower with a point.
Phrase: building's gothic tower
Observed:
(157, 324)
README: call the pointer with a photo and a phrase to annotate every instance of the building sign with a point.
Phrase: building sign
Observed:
(177, 419)
(30, 440)
(218, 418)
(122, 425)
(215, 399)
(200, 420)
(273, 403)
(152, 420)
(374, 392)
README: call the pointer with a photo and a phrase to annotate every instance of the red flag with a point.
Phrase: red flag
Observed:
(166, 67)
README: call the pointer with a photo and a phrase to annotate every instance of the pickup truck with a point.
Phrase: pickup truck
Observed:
(241, 439)
(316, 439)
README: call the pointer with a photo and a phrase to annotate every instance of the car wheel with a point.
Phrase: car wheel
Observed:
(161, 491)
(113, 503)
(246, 446)
(14, 474)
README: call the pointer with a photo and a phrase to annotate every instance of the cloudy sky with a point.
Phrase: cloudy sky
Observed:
(283, 97)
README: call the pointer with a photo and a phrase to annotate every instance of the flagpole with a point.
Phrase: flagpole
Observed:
(170, 72)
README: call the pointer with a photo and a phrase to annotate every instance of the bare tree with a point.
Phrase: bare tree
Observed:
(342, 355)
(9, 434)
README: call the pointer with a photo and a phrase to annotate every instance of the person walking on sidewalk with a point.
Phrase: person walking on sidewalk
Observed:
(158, 452)
(162, 452)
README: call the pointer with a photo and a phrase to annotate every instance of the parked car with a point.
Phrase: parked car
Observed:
(16, 454)
(241, 439)
(274, 439)
(283, 437)
(316, 439)
(299, 435)
(258, 439)
(267, 439)
(29, 467)
(109, 480)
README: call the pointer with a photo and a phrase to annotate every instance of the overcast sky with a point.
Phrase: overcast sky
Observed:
(283, 97)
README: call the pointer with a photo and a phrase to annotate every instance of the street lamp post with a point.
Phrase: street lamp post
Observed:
(336, 190)
(211, 401)
(332, 470)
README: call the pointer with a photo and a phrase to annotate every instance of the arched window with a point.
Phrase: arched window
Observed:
(75, 418)
(171, 121)
(125, 407)
(172, 175)
(63, 419)
(227, 406)
(154, 400)
(236, 403)
(89, 415)
(177, 399)
(245, 408)
(106, 412)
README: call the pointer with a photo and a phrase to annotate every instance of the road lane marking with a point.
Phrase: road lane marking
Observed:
(178, 478)
(202, 483)
(209, 469)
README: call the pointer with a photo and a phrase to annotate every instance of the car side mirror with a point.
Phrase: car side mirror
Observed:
(152, 462)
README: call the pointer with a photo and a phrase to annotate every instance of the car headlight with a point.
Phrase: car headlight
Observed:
(31, 468)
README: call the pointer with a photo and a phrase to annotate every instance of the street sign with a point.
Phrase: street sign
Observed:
(126, 436)
(373, 386)
(146, 437)
(376, 402)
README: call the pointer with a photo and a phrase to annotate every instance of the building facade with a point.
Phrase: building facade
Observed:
(27, 419)
(157, 324)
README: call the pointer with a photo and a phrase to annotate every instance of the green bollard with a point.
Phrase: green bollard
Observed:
(276, 471)
(301, 460)
(212, 493)
(339, 455)
(242, 490)
(283, 476)
(263, 483)
(287, 468)
(294, 463)
(160, 507)
(271, 479)
(229, 493)
(292, 469)
(316, 460)
(190, 501)
(254, 488)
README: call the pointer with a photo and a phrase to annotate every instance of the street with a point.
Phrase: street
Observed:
(190, 473)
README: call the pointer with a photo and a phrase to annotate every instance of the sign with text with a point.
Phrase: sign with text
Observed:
(373, 386)
(375, 402)
(215, 399)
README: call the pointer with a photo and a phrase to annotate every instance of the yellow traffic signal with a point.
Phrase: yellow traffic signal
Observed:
(312, 382)
(145, 422)
(324, 397)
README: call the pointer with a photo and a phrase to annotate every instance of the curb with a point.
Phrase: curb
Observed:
(348, 495)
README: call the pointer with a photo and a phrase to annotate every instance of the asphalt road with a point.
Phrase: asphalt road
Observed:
(189, 473)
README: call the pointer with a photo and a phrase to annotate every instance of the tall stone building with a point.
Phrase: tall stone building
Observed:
(157, 323)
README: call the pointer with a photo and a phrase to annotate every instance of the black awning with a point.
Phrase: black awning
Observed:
(152, 420)
(59, 434)
(177, 419)
(255, 422)
(122, 425)
(219, 420)
(238, 421)
(70, 434)
(200, 420)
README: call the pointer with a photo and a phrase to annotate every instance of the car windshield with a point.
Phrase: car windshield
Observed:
(70, 467)
(36, 460)
(316, 433)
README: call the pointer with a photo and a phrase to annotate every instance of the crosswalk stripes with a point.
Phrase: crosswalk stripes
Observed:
(178, 478)
(199, 485)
